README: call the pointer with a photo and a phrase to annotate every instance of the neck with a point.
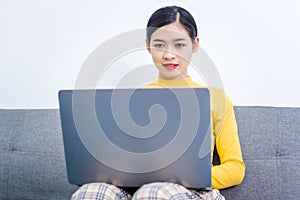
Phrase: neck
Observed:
(185, 82)
(180, 77)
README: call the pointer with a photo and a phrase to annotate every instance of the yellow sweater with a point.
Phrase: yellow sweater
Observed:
(225, 134)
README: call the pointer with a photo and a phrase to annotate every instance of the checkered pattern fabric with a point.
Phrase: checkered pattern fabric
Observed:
(104, 191)
(152, 191)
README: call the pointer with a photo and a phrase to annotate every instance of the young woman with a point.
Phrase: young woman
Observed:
(171, 41)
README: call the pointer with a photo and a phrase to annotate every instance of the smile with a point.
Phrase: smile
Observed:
(170, 66)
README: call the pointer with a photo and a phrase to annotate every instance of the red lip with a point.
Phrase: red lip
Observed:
(170, 66)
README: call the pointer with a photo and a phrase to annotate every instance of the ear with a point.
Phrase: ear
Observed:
(196, 44)
(147, 45)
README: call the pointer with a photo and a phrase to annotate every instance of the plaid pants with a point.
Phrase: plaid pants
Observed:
(152, 191)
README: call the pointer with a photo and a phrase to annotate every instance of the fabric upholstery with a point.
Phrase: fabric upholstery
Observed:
(32, 164)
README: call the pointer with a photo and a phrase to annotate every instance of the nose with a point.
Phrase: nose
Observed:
(169, 55)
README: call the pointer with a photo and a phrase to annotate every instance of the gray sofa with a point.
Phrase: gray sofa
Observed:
(32, 164)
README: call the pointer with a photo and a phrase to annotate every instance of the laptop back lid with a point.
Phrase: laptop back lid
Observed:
(129, 137)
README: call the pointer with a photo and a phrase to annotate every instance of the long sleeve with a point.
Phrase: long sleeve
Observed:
(231, 170)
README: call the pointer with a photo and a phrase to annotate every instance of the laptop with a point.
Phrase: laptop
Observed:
(130, 137)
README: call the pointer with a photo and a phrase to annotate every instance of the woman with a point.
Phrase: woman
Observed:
(171, 41)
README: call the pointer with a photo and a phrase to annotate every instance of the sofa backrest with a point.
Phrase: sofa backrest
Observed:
(270, 141)
(32, 156)
(32, 164)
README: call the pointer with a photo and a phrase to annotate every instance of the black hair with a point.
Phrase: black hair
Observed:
(168, 15)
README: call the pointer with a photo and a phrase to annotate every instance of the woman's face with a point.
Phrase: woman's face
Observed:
(171, 49)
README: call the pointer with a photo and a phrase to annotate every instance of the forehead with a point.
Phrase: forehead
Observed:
(171, 31)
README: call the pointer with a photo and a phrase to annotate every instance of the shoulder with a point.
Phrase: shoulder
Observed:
(220, 102)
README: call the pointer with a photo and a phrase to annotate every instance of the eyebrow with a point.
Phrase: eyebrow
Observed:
(158, 40)
(176, 40)
(179, 39)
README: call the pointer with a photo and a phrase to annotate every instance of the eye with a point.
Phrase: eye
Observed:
(159, 45)
(179, 45)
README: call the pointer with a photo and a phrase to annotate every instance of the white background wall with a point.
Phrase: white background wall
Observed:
(255, 45)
